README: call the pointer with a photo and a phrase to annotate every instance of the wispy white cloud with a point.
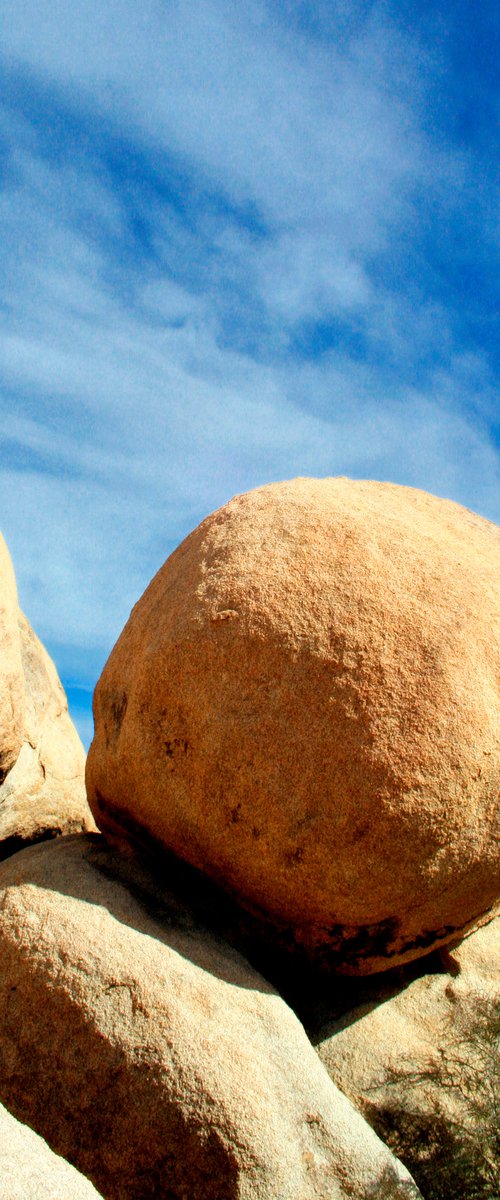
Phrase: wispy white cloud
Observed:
(234, 251)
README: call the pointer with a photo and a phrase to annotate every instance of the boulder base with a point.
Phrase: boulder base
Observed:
(154, 1055)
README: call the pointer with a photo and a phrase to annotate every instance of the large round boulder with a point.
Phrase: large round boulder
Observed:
(305, 705)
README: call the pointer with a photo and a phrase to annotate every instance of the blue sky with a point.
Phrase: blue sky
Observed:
(240, 243)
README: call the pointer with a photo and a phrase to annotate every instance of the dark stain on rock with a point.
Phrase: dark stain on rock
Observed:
(115, 713)
(175, 746)
(294, 857)
(347, 947)
(423, 940)
(361, 832)
(354, 943)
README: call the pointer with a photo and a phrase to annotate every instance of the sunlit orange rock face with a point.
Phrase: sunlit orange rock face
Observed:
(42, 760)
(304, 704)
(12, 690)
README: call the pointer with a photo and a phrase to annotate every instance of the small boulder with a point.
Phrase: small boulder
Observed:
(154, 1055)
(44, 792)
(305, 705)
(12, 698)
(423, 1065)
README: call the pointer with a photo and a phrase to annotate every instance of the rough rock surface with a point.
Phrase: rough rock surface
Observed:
(12, 682)
(155, 1055)
(44, 793)
(305, 704)
(424, 1068)
(29, 1170)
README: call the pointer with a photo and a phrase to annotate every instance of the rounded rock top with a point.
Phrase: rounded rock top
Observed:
(305, 705)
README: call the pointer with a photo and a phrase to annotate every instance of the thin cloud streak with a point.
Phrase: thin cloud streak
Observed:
(236, 250)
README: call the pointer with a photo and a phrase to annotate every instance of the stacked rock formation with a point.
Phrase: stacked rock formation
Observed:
(296, 756)
(42, 760)
(305, 705)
